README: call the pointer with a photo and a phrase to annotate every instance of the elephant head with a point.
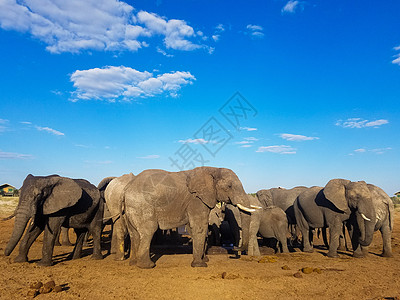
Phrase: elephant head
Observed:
(265, 198)
(42, 196)
(212, 185)
(356, 197)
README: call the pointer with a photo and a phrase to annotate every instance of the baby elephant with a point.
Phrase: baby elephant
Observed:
(270, 222)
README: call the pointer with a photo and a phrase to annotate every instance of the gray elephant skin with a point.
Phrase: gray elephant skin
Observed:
(283, 198)
(270, 222)
(52, 202)
(113, 196)
(330, 206)
(384, 210)
(165, 200)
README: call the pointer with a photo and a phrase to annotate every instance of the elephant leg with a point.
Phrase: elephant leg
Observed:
(95, 229)
(57, 243)
(65, 237)
(50, 234)
(354, 234)
(334, 233)
(198, 222)
(135, 238)
(119, 237)
(146, 230)
(253, 249)
(114, 245)
(30, 236)
(281, 236)
(80, 236)
(386, 239)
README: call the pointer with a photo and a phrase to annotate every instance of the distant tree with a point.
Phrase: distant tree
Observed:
(16, 193)
(396, 200)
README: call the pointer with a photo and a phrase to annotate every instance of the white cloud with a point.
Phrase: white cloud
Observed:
(243, 142)
(26, 123)
(397, 59)
(251, 139)
(124, 83)
(360, 123)
(2, 127)
(154, 156)
(291, 7)
(361, 150)
(375, 151)
(255, 30)
(49, 130)
(159, 50)
(3, 121)
(194, 141)
(246, 146)
(104, 25)
(216, 37)
(12, 155)
(297, 137)
(282, 149)
(248, 128)
(220, 28)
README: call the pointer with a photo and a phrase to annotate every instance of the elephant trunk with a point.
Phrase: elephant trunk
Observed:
(366, 227)
(245, 218)
(21, 219)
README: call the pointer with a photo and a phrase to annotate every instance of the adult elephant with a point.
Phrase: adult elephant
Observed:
(52, 202)
(281, 197)
(113, 196)
(384, 210)
(165, 200)
(330, 206)
(270, 222)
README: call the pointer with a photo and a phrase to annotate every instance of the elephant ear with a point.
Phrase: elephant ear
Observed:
(65, 193)
(201, 184)
(335, 192)
(265, 198)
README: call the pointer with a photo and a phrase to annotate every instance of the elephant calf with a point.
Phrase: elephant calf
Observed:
(270, 222)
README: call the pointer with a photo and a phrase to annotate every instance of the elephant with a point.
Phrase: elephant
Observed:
(165, 200)
(330, 206)
(384, 209)
(215, 220)
(282, 198)
(113, 196)
(270, 222)
(52, 202)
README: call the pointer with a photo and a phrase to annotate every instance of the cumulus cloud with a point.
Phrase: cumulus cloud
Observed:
(281, 149)
(291, 7)
(360, 123)
(50, 130)
(12, 155)
(103, 25)
(255, 31)
(123, 83)
(297, 137)
(152, 156)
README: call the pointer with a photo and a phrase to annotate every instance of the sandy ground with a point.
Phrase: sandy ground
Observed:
(273, 277)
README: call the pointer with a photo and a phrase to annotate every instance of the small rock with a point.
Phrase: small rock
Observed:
(298, 275)
(45, 290)
(58, 288)
(317, 270)
(307, 270)
(232, 276)
(223, 275)
(285, 267)
(32, 293)
(50, 284)
(36, 285)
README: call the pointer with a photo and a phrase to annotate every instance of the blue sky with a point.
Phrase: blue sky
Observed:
(91, 89)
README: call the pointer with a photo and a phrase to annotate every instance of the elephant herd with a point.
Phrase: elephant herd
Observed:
(155, 199)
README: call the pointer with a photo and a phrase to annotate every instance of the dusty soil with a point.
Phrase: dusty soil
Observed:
(273, 277)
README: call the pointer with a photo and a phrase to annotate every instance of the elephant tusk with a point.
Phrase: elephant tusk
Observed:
(365, 218)
(378, 218)
(255, 206)
(250, 210)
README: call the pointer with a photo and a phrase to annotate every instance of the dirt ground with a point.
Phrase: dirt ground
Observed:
(272, 277)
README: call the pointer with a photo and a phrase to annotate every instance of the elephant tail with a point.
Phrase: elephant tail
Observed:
(10, 217)
(391, 214)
